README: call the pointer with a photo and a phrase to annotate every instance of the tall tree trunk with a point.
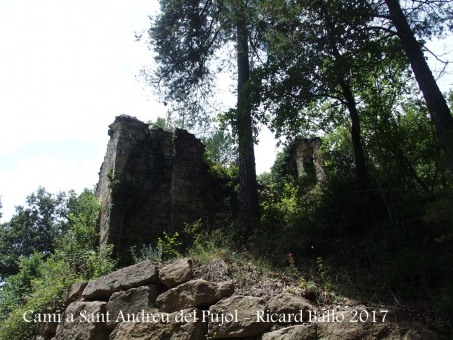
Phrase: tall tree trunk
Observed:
(247, 170)
(437, 105)
(359, 155)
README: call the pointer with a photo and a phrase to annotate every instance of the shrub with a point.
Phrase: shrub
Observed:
(41, 279)
(147, 252)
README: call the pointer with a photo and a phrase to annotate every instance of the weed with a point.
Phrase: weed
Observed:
(147, 252)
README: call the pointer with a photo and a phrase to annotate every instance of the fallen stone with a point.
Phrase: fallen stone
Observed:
(244, 310)
(134, 276)
(173, 328)
(176, 273)
(47, 329)
(195, 293)
(83, 320)
(287, 307)
(74, 292)
(347, 325)
(124, 304)
(301, 332)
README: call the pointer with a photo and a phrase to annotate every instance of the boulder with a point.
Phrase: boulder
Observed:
(346, 325)
(47, 329)
(246, 323)
(84, 320)
(289, 308)
(182, 325)
(74, 292)
(195, 293)
(129, 302)
(419, 332)
(130, 277)
(305, 332)
(176, 273)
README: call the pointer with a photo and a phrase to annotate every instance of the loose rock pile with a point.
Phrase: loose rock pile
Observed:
(148, 301)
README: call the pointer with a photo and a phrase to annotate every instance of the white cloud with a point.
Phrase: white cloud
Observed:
(47, 171)
(67, 69)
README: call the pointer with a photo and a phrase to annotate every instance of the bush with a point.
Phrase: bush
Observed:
(41, 279)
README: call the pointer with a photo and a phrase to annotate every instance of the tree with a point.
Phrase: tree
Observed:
(50, 222)
(42, 278)
(437, 105)
(247, 171)
(317, 53)
(186, 37)
(32, 228)
(221, 147)
(400, 141)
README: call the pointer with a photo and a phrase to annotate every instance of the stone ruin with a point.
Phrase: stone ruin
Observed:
(309, 161)
(152, 181)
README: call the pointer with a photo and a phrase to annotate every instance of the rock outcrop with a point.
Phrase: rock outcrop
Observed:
(176, 273)
(241, 314)
(195, 293)
(123, 279)
(152, 181)
(117, 307)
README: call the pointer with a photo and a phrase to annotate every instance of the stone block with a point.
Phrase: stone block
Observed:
(170, 328)
(305, 332)
(195, 293)
(74, 292)
(129, 302)
(176, 273)
(84, 320)
(137, 275)
(289, 307)
(245, 323)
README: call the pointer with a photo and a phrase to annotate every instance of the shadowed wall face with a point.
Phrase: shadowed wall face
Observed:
(309, 160)
(152, 181)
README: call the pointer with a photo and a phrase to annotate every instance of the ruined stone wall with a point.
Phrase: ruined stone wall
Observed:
(152, 181)
(308, 159)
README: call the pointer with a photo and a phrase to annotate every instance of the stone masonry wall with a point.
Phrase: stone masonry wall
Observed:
(152, 181)
(308, 159)
(152, 301)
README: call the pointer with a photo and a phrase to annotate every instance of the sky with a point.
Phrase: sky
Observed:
(67, 69)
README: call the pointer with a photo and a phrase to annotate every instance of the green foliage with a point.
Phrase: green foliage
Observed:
(43, 296)
(42, 278)
(18, 286)
(170, 245)
(161, 123)
(180, 118)
(228, 177)
(205, 246)
(221, 148)
(33, 228)
(114, 182)
(324, 273)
